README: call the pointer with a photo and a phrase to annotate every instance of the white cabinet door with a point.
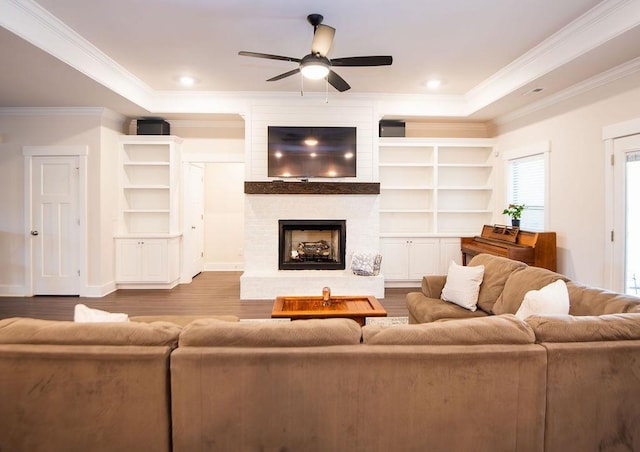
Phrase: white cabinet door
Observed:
(411, 258)
(143, 261)
(154, 260)
(128, 260)
(449, 251)
(395, 258)
(424, 256)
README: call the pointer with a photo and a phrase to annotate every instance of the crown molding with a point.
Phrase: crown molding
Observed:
(58, 111)
(599, 25)
(610, 18)
(36, 25)
(604, 78)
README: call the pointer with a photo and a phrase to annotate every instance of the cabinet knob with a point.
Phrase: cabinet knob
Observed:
(34, 233)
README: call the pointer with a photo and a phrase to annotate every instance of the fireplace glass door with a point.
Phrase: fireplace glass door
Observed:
(312, 244)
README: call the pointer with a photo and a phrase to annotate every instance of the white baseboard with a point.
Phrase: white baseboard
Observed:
(7, 290)
(223, 266)
(99, 291)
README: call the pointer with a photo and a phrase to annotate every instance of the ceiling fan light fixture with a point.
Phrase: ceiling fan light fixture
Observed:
(314, 70)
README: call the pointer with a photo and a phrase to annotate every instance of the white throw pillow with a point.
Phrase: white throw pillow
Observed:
(463, 285)
(86, 314)
(551, 299)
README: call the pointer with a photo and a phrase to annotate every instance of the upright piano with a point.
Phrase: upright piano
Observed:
(533, 248)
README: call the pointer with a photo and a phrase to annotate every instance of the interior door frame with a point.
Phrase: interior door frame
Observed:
(614, 233)
(82, 152)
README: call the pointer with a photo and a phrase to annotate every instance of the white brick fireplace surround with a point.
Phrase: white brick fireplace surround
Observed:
(263, 280)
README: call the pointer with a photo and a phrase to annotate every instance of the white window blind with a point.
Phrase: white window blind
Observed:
(526, 185)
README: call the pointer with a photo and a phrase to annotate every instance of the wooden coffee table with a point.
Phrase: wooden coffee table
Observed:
(355, 307)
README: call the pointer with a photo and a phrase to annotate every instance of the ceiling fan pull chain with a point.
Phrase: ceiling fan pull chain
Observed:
(326, 90)
(301, 84)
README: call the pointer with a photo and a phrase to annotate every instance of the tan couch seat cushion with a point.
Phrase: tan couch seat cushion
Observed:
(299, 333)
(504, 329)
(426, 309)
(567, 328)
(55, 332)
(521, 282)
(496, 272)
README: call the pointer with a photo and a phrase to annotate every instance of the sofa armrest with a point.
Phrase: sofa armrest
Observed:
(432, 285)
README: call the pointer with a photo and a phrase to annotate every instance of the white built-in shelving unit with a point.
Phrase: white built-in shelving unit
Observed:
(432, 192)
(149, 236)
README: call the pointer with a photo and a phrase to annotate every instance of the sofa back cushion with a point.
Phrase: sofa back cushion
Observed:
(181, 319)
(521, 282)
(567, 328)
(55, 332)
(594, 301)
(496, 272)
(299, 333)
(504, 329)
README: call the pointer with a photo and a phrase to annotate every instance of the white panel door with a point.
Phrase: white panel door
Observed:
(55, 225)
(194, 219)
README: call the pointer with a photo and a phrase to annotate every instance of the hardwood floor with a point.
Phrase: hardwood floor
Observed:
(212, 293)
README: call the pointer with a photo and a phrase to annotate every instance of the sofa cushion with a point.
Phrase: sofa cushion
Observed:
(594, 301)
(425, 309)
(463, 285)
(503, 329)
(299, 333)
(567, 328)
(432, 285)
(521, 282)
(496, 272)
(551, 299)
(182, 320)
(55, 332)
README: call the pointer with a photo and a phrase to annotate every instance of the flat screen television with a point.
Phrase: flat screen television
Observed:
(304, 152)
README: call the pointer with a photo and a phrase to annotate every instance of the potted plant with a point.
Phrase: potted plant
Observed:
(515, 212)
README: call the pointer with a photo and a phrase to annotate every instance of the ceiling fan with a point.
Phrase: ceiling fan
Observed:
(316, 65)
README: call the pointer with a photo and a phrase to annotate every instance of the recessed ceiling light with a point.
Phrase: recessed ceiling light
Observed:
(187, 80)
(434, 83)
(534, 91)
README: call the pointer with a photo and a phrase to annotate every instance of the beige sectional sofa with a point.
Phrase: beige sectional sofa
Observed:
(489, 383)
(503, 288)
(69, 387)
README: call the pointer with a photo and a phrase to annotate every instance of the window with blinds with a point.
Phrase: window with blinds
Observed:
(526, 185)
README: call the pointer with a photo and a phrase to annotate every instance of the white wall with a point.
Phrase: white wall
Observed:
(312, 111)
(224, 216)
(577, 177)
(220, 146)
(52, 127)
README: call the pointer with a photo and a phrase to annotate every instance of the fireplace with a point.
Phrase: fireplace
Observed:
(312, 244)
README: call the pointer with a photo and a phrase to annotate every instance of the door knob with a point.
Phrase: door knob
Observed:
(34, 232)
(193, 227)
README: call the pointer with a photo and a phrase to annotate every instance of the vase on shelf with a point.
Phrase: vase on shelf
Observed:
(515, 222)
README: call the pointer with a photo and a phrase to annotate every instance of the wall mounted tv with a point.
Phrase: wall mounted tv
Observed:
(304, 152)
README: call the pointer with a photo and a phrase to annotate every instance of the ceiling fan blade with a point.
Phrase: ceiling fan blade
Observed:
(379, 60)
(286, 74)
(322, 39)
(268, 56)
(337, 82)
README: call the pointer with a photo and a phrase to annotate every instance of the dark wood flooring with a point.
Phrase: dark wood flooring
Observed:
(212, 293)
